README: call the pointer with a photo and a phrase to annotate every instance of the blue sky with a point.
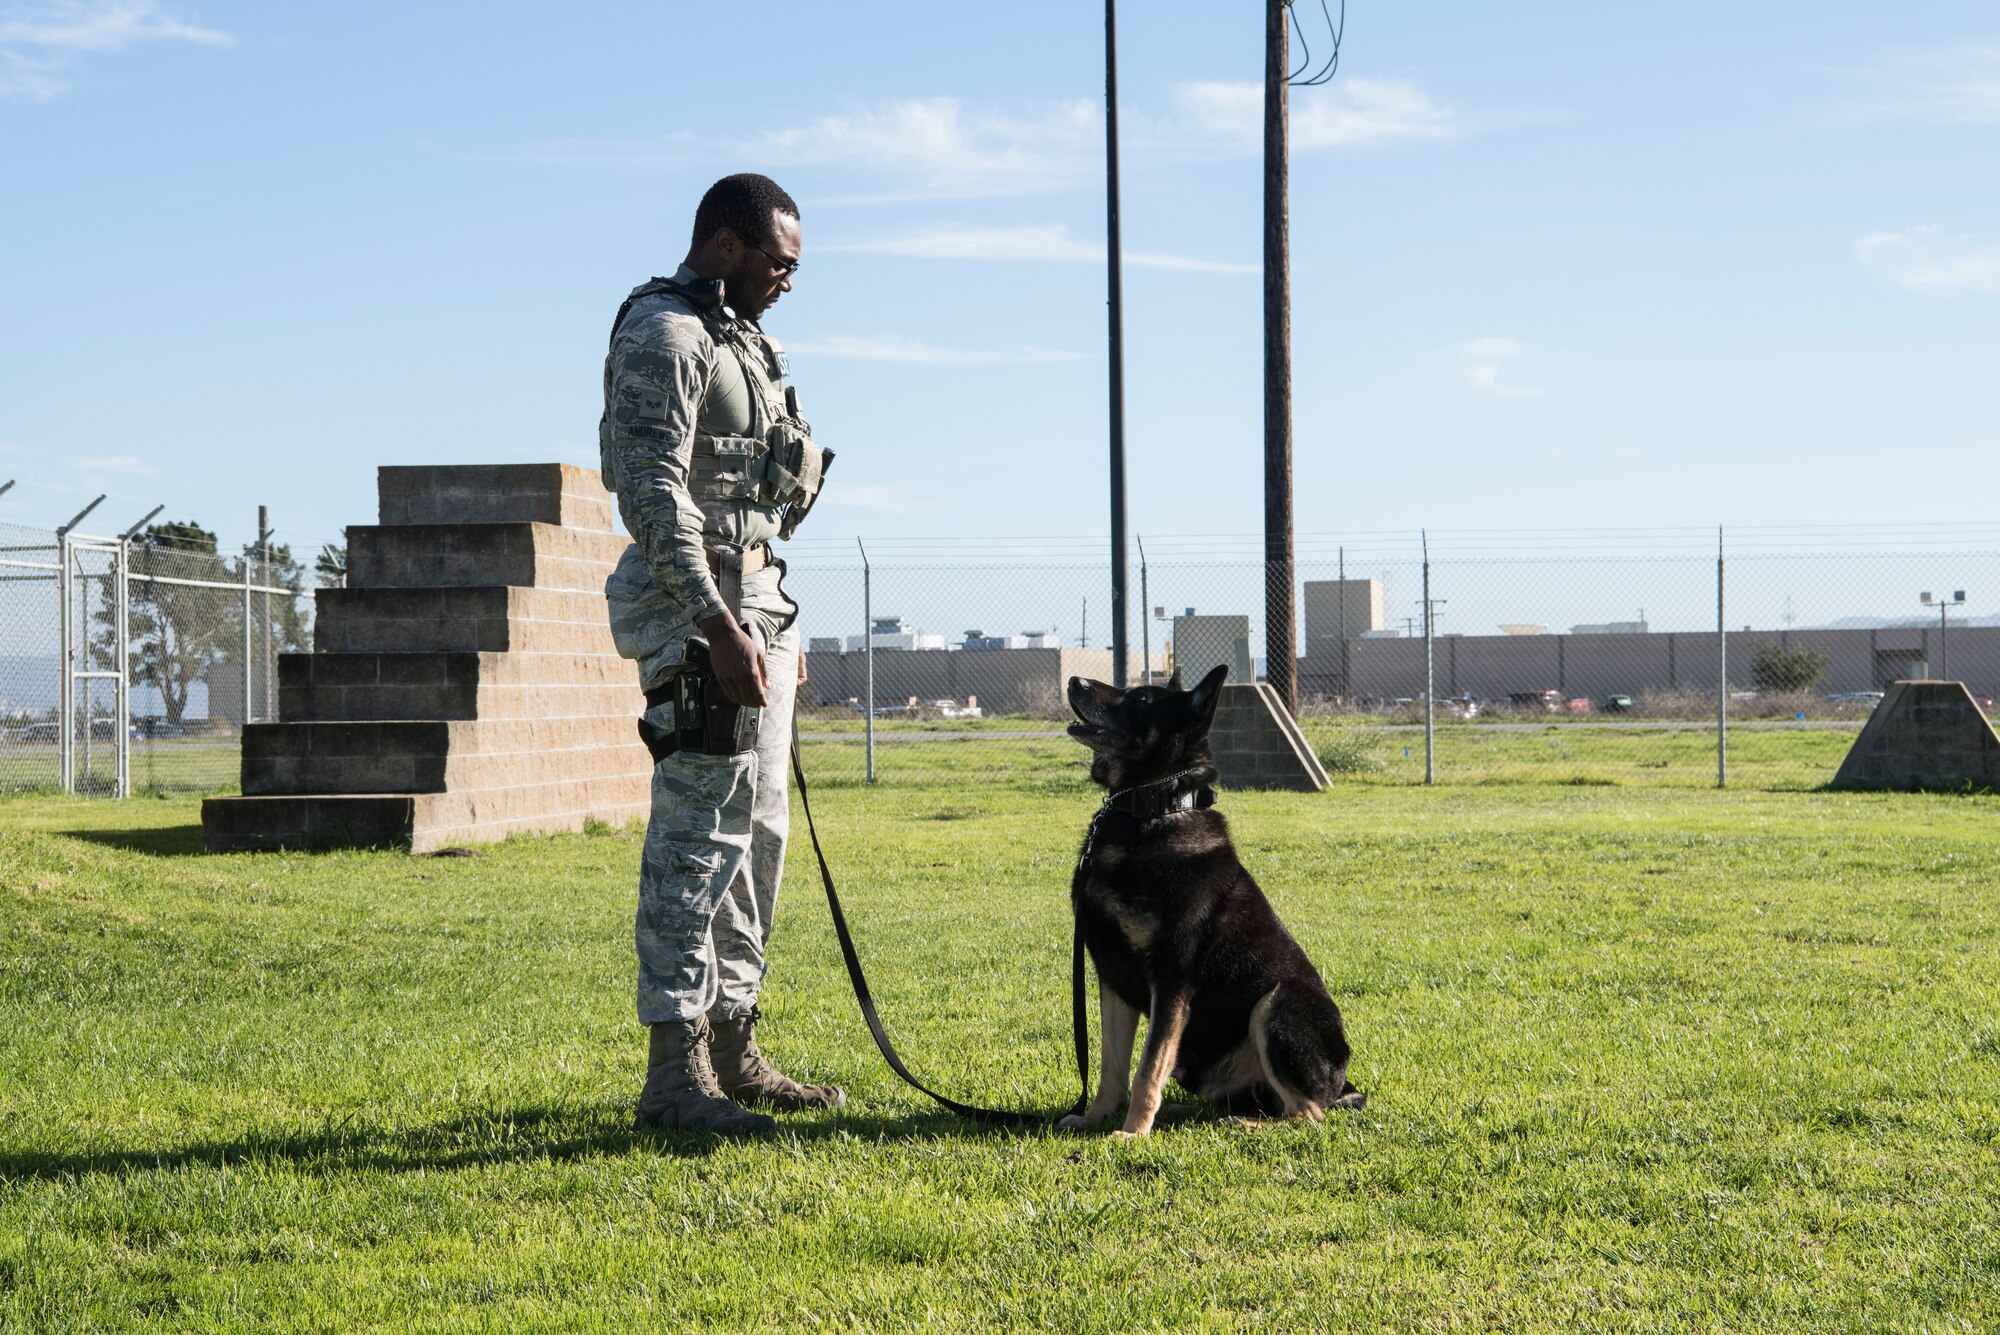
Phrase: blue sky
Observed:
(1557, 265)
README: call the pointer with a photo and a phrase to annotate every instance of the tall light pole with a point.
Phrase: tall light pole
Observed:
(1280, 629)
(1944, 604)
(1116, 300)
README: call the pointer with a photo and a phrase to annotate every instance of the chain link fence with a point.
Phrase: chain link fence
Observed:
(130, 665)
(1675, 668)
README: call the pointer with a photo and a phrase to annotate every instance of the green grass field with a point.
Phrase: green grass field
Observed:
(1640, 1058)
(1363, 749)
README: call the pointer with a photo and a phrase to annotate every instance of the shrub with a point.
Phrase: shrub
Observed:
(1776, 668)
(1345, 755)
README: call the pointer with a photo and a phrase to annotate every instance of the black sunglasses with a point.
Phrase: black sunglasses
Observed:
(785, 269)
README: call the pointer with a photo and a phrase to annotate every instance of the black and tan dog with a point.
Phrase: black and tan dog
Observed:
(1180, 933)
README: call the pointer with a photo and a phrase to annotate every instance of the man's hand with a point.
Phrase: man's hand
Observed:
(738, 662)
(802, 667)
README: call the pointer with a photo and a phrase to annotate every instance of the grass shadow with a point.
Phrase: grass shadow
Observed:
(163, 841)
(546, 1133)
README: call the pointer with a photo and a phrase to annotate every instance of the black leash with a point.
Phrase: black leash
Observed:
(1078, 1018)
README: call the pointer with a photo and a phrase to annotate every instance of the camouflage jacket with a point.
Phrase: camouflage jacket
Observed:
(683, 373)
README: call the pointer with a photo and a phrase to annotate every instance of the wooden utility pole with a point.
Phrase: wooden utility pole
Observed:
(1280, 626)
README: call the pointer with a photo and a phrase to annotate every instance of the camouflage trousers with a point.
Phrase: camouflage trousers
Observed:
(715, 851)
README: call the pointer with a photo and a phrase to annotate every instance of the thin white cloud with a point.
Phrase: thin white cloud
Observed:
(943, 148)
(40, 44)
(869, 496)
(126, 464)
(903, 148)
(98, 25)
(1928, 259)
(948, 148)
(26, 80)
(1349, 113)
(1030, 243)
(1482, 360)
(896, 348)
(1953, 86)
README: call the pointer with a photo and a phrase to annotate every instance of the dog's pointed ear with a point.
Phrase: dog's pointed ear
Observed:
(1208, 691)
(1174, 682)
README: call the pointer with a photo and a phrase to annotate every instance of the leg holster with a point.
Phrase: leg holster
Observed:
(706, 721)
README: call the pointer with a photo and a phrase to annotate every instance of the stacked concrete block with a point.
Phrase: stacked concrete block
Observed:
(463, 686)
(1924, 735)
(1257, 743)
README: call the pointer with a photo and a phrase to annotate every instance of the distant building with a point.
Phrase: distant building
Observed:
(1609, 628)
(1201, 642)
(1027, 639)
(1337, 608)
(891, 633)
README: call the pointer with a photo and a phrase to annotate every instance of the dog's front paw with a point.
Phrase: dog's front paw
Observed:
(1074, 1122)
(1122, 1134)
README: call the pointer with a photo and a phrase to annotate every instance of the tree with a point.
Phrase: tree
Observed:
(289, 626)
(331, 567)
(179, 632)
(182, 631)
(1779, 670)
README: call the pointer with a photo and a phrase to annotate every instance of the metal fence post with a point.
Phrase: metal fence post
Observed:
(66, 650)
(1145, 619)
(868, 652)
(1721, 674)
(1430, 676)
(122, 647)
(249, 698)
(1345, 695)
(121, 637)
(65, 683)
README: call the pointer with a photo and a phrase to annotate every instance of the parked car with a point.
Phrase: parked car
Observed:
(1577, 705)
(1616, 704)
(1548, 702)
(1458, 706)
(1854, 699)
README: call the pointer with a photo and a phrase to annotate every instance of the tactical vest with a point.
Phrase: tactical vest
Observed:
(751, 447)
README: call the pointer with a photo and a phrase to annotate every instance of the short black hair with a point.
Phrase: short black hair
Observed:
(744, 203)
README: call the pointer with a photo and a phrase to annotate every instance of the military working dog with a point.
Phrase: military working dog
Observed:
(1180, 933)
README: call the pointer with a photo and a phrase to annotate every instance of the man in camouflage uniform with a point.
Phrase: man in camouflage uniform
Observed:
(703, 445)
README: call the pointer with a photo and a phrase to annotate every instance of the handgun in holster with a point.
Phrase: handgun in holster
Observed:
(706, 721)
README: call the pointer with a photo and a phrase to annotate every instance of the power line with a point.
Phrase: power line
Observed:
(1335, 32)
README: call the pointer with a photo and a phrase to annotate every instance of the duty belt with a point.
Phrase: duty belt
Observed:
(748, 561)
(731, 567)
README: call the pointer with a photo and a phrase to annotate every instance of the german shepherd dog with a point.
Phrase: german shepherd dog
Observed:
(1180, 933)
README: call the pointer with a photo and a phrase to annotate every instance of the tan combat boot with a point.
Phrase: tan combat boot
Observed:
(681, 1093)
(746, 1077)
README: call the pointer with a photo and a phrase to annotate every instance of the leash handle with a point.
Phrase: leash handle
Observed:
(993, 1116)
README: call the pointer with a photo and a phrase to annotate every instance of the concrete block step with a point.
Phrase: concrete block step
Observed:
(542, 555)
(480, 814)
(252, 824)
(561, 494)
(420, 822)
(336, 687)
(413, 756)
(490, 618)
